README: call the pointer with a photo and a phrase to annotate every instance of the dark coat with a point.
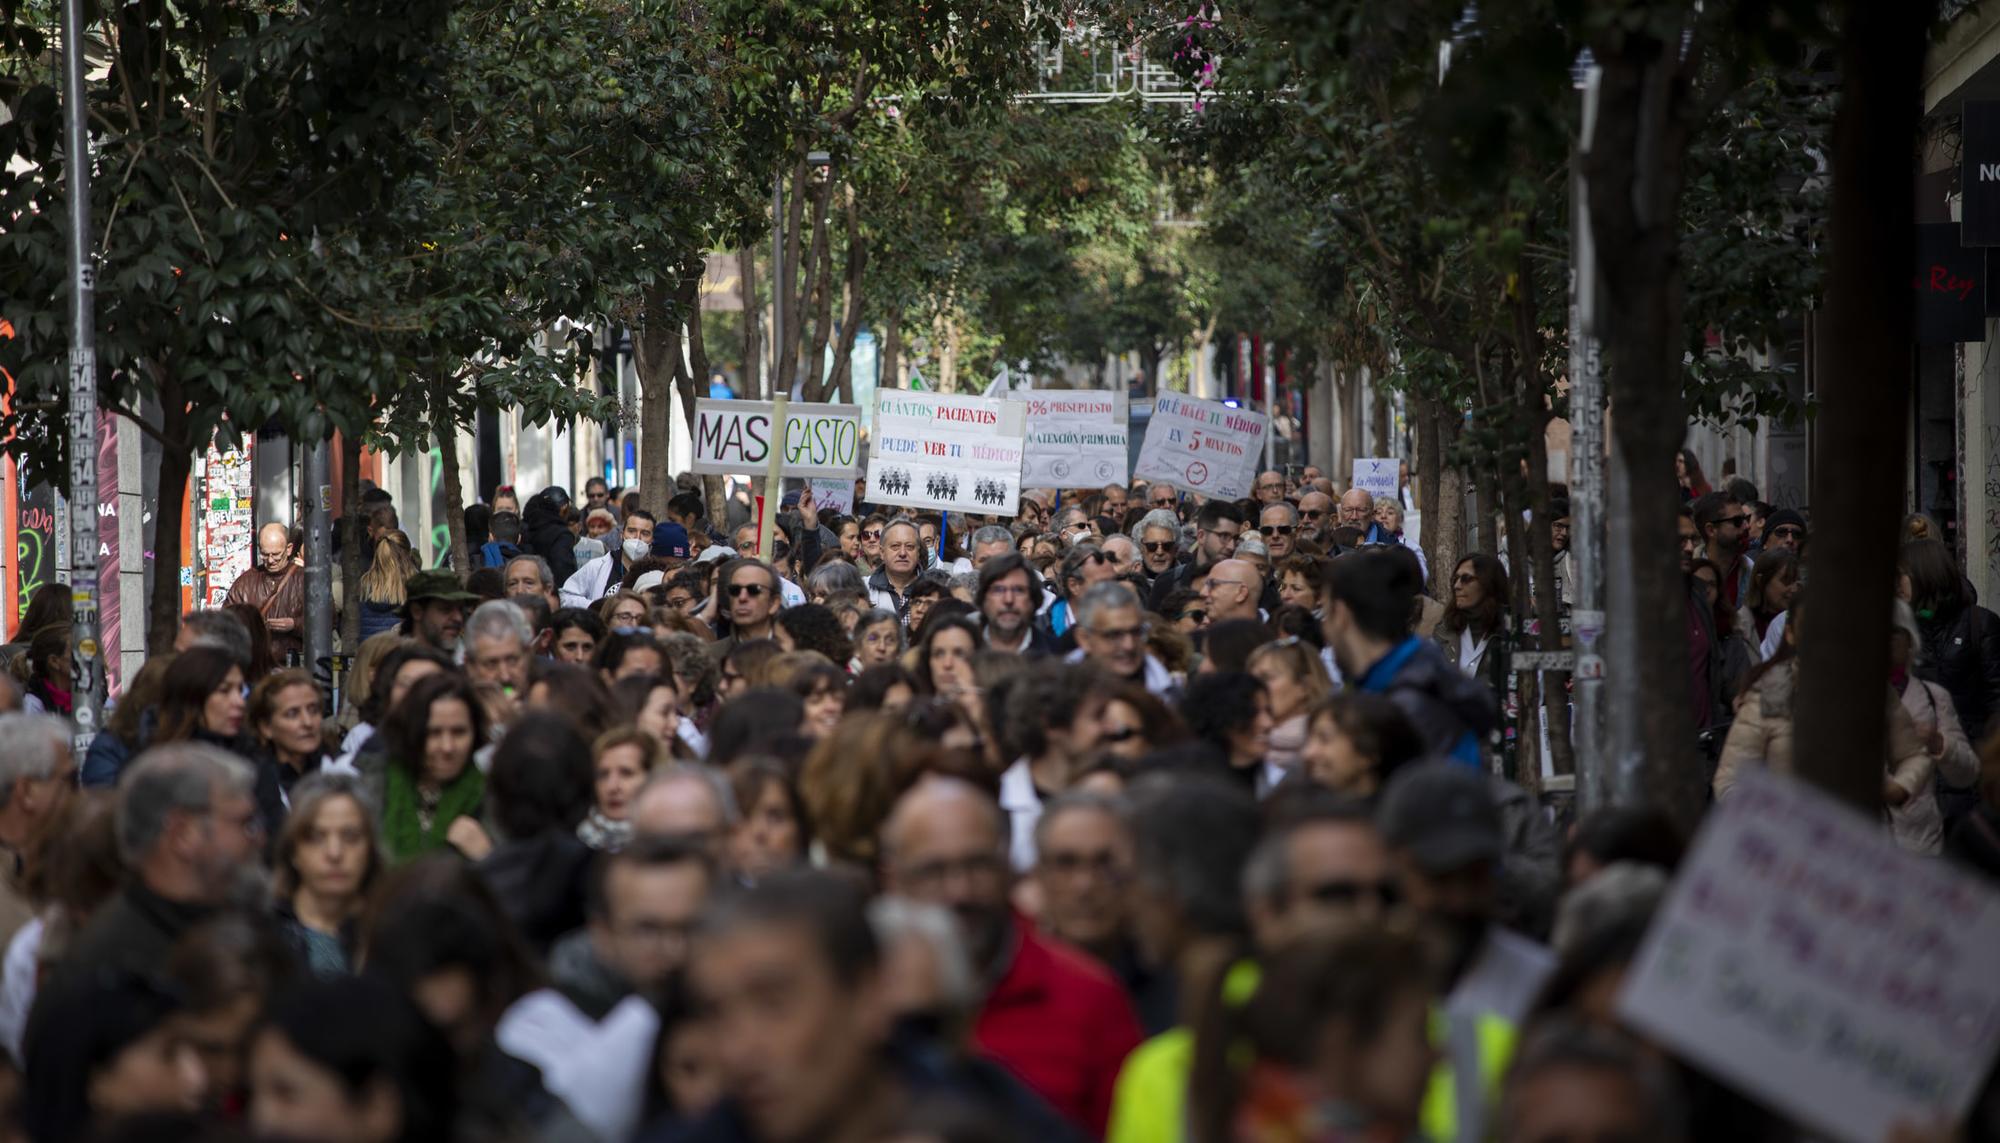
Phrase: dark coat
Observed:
(1453, 712)
(544, 533)
(133, 932)
(1962, 655)
(541, 883)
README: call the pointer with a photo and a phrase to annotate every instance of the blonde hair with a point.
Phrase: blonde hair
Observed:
(394, 564)
(1300, 659)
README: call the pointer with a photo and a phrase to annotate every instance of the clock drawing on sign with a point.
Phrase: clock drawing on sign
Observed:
(1197, 474)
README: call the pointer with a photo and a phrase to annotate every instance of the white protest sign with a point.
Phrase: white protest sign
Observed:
(1203, 446)
(944, 451)
(833, 496)
(735, 437)
(1378, 476)
(1804, 957)
(1077, 438)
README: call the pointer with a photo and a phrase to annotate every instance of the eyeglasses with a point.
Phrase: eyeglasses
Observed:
(1122, 734)
(753, 590)
(1348, 892)
(1464, 578)
(1788, 533)
(1280, 529)
(1213, 582)
(1196, 615)
(1119, 634)
(1158, 546)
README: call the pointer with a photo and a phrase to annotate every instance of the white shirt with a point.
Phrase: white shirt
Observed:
(598, 1069)
(1471, 652)
(1774, 636)
(1024, 810)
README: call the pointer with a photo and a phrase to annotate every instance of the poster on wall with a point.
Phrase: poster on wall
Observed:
(947, 452)
(227, 495)
(1204, 447)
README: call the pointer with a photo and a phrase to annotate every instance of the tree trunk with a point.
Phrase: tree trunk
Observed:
(817, 377)
(784, 292)
(163, 618)
(1636, 173)
(446, 431)
(1864, 390)
(1526, 685)
(1381, 441)
(753, 333)
(947, 339)
(857, 266)
(353, 537)
(656, 360)
(1444, 533)
(892, 350)
(1533, 414)
(1149, 368)
(1429, 461)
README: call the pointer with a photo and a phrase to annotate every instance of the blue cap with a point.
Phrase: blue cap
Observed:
(670, 542)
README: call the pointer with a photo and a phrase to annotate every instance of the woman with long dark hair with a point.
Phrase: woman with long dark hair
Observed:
(1687, 473)
(1961, 639)
(203, 700)
(1474, 632)
(425, 781)
(326, 861)
(287, 719)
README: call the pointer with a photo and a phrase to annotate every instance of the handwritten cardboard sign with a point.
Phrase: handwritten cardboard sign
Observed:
(1077, 438)
(733, 437)
(1203, 446)
(945, 451)
(1806, 959)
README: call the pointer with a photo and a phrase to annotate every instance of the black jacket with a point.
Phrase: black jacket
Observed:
(1962, 655)
(274, 788)
(544, 534)
(541, 884)
(133, 932)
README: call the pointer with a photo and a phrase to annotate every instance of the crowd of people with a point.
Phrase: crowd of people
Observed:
(1135, 817)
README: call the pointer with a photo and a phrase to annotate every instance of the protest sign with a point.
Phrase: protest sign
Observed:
(1378, 477)
(944, 451)
(1807, 959)
(735, 437)
(833, 496)
(1203, 446)
(1076, 438)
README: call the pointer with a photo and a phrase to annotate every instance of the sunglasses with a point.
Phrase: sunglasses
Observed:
(1157, 546)
(1281, 529)
(1787, 533)
(753, 590)
(872, 534)
(1311, 513)
(1737, 520)
(1196, 614)
(1349, 892)
(1122, 734)
(1464, 578)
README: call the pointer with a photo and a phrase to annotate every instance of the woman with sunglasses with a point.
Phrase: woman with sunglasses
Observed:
(1474, 632)
(1135, 723)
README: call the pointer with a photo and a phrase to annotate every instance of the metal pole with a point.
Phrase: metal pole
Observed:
(1270, 408)
(777, 278)
(89, 670)
(319, 563)
(1586, 403)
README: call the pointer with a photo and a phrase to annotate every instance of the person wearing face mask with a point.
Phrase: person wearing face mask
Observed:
(286, 719)
(276, 587)
(597, 578)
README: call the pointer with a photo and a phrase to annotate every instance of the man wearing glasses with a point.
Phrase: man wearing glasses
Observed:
(749, 590)
(1785, 528)
(1270, 487)
(1232, 591)
(1315, 516)
(1216, 527)
(1323, 863)
(1111, 636)
(1279, 525)
(1159, 542)
(1720, 521)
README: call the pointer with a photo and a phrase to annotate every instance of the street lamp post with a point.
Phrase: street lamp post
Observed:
(1595, 782)
(88, 665)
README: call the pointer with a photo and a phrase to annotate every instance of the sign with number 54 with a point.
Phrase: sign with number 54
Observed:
(1203, 446)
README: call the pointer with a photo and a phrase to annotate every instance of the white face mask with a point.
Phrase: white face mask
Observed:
(637, 549)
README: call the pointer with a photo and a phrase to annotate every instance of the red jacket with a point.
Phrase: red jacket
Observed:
(1059, 1021)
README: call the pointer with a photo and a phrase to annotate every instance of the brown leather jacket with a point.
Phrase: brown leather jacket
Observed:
(281, 596)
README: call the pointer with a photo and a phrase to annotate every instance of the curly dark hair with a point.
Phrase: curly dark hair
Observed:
(1219, 704)
(813, 627)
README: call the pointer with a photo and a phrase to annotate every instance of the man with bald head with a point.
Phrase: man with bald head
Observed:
(276, 587)
(1232, 591)
(1053, 1016)
(1316, 516)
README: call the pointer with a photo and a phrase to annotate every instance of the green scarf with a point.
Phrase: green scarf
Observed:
(403, 834)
